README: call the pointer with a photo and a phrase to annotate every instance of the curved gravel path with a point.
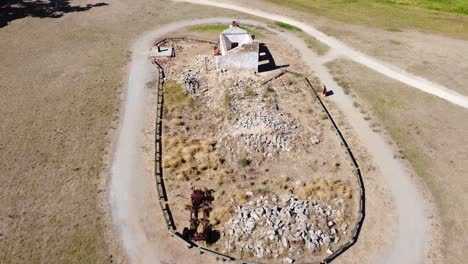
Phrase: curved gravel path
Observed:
(376, 65)
(130, 188)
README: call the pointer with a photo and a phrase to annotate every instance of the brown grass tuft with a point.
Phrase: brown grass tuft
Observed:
(326, 190)
(186, 158)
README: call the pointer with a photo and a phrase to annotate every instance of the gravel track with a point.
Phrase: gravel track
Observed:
(130, 190)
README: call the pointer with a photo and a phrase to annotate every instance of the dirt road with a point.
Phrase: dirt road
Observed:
(131, 188)
(376, 65)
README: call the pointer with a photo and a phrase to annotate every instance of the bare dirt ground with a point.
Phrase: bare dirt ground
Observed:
(246, 141)
(427, 132)
(432, 253)
(61, 82)
(368, 249)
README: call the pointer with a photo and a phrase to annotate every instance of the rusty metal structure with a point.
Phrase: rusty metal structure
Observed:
(200, 207)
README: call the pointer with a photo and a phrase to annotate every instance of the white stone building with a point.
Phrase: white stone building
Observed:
(238, 49)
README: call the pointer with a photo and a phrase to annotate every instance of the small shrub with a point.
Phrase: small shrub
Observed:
(263, 190)
(244, 162)
(270, 89)
(175, 96)
(227, 99)
(249, 92)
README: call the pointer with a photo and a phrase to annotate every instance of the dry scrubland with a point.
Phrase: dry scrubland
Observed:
(429, 131)
(246, 141)
(61, 81)
(430, 134)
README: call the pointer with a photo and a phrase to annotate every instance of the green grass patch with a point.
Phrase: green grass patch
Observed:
(287, 26)
(317, 46)
(227, 99)
(244, 162)
(263, 190)
(174, 95)
(448, 17)
(393, 29)
(249, 92)
(209, 27)
(221, 27)
(451, 6)
(257, 31)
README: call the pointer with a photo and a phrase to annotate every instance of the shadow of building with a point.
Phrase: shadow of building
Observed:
(266, 62)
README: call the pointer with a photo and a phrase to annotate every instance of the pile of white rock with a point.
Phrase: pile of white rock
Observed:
(283, 227)
(257, 141)
(259, 126)
(190, 82)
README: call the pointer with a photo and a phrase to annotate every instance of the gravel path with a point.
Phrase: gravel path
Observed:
(132, 192)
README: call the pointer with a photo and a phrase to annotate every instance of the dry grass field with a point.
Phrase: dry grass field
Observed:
(389, 36)
(61, 83)
(429, 133)
(201, 148)
(447, 17)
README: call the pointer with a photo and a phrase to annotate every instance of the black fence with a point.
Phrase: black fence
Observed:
(161, 190)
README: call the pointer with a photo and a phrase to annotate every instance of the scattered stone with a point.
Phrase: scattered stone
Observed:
(190, 82)
(336, 240)
(272, 227)
(315, 140)
(288, 260)
(344, 226)
(310, 246)
(285, 242)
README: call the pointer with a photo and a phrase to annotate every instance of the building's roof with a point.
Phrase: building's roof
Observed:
(234, 31)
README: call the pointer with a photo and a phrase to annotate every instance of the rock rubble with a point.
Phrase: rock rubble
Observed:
(283, 226)
(190, 82)
(260, 125)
